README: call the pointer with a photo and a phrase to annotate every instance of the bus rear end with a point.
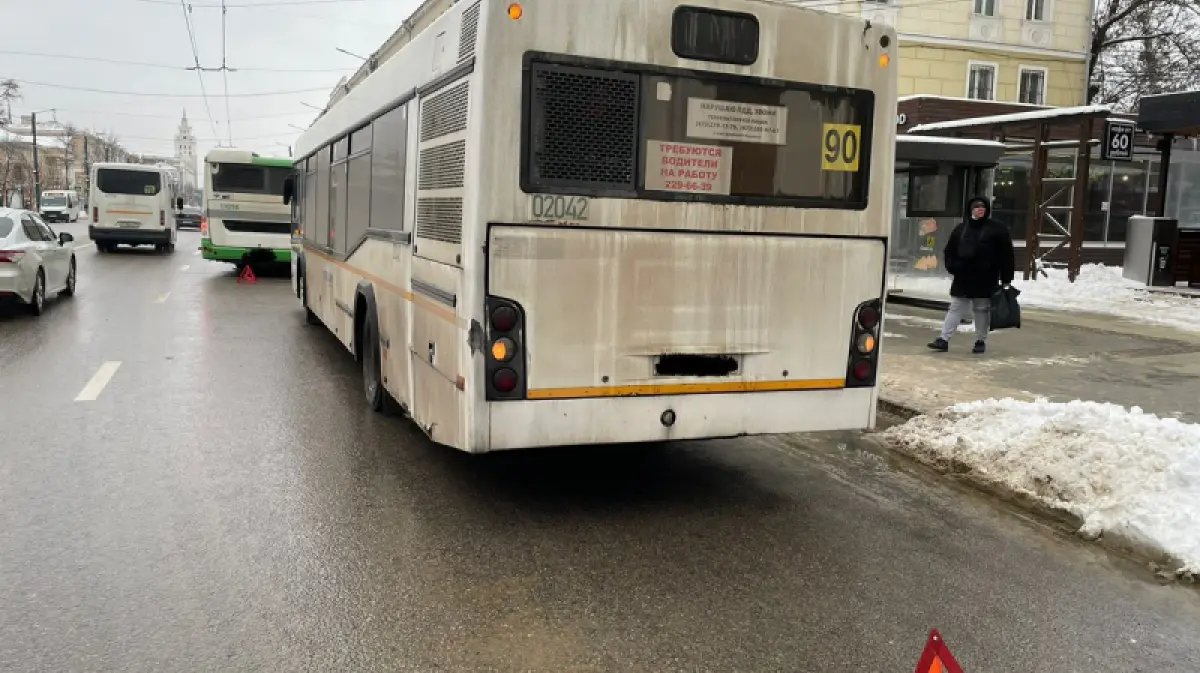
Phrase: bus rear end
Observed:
(696, 247)
(246, 219)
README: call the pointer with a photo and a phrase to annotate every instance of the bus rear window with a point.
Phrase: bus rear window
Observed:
(249, 179)
(737, 139)
(140, 183)
(644, 133)
(707, 34)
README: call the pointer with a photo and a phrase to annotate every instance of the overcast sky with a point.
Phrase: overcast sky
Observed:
(261, 35)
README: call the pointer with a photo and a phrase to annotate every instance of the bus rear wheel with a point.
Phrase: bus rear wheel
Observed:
(372, 365)
(310, 318)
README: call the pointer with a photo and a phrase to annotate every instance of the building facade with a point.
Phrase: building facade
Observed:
(1017, 51)
(63, 157)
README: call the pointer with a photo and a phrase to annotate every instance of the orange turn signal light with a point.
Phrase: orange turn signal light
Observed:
(503, 349)
(515, 11)
(866, 344)
(884, 59)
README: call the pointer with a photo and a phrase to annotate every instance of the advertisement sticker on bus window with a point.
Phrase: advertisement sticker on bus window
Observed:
(683, 167)
(741, 122)
(840, 146)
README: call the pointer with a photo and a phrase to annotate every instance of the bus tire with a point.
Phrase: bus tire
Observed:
(310, 318)
(372, 364)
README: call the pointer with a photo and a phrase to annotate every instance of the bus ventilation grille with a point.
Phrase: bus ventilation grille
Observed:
(440, 219)
(443, 167)
(584, 128)
(468, 32)
(445, 113)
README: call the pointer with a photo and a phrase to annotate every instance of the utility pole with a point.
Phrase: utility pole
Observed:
(37, 176)
(87, 167)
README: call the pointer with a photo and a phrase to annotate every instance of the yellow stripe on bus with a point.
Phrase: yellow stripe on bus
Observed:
(651, 389)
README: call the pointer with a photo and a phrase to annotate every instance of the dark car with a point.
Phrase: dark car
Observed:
(189, 218)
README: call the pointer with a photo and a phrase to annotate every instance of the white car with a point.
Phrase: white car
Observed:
(33, 261)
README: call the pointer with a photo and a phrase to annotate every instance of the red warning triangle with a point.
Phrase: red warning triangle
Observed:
(247, 275)
(937, 658)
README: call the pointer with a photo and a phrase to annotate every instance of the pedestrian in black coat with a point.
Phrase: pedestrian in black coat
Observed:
(979, 255)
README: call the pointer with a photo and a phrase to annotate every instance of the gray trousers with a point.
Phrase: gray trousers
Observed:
(959, 308)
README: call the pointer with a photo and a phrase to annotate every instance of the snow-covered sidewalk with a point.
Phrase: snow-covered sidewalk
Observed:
(1102, 289)
(1099, 289)
(1124, 472)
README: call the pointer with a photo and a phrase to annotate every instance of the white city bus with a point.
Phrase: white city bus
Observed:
(669, 225)
(246, 220)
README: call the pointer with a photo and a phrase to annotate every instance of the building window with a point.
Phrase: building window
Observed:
(985, 7)
(981, 81)
(1033, 86)
(1035, 10)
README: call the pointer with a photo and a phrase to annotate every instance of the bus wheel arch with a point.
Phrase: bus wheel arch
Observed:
(364, 309)
(367, 349)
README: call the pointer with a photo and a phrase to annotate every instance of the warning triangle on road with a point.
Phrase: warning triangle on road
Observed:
(247, 275)
(937, 658)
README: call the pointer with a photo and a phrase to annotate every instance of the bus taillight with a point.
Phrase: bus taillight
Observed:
(204, 224)
(864, 345)
(504, 363)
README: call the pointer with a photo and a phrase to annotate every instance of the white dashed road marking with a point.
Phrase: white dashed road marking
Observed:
(185, 267)
(162, 298)
(100, 379)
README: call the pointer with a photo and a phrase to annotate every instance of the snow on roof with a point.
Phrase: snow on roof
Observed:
(926, 96)
(1050, 114)
(940, 140)
(7, 136)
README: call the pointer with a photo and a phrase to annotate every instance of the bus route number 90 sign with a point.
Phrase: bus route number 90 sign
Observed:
(840, 146)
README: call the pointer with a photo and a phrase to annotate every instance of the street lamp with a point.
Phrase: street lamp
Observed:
(350, 53)
(37, 174)
(370, 60)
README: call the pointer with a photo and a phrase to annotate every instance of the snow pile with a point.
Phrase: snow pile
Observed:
(1102, 289)
(1120, 470)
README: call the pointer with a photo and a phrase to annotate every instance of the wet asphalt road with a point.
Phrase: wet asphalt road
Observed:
(227, 503)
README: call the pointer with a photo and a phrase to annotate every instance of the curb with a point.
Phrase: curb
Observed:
(1157, 560)
(919, 302)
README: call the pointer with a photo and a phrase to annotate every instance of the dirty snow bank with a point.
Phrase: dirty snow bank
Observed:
(1122, 471)
(1102, 289)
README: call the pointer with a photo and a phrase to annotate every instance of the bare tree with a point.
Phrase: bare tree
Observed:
(10, 90)
(68, 140)
(16, 174)
(1141, 48)
(10, 154)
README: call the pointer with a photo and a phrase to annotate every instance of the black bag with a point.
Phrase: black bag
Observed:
(1006, 312)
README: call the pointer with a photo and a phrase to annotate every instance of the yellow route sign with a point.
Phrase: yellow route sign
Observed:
(840, 146)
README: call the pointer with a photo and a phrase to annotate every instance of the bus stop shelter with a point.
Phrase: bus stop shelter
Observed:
(934, 178)
(1037, 132)
(1170, 116)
